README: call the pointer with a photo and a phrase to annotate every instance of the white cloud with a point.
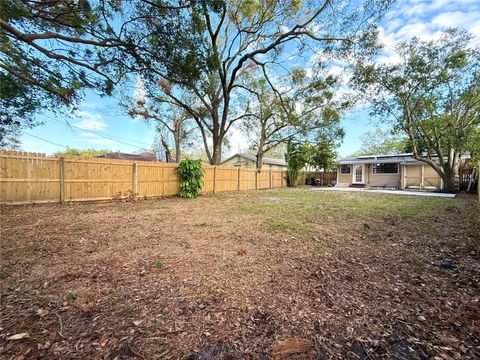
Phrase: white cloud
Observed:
(90, 121)
(425, 19)
(456, 18)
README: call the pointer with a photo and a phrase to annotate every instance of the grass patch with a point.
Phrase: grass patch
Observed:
(112, 294)
(287, 226)
(349, 205)
(81, 228)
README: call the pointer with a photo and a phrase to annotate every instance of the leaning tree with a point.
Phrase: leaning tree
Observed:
(433, 95)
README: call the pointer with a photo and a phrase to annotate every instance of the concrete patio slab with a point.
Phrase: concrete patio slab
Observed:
(387, 191)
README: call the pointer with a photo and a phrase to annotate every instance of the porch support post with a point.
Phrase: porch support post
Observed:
(404, 177)
(422, 177)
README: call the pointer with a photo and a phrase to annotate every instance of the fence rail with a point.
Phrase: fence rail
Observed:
(326, 178)
(36, 178)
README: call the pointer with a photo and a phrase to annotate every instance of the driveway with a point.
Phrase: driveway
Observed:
(387, 191)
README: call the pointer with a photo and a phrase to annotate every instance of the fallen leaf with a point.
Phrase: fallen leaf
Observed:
(19, 336)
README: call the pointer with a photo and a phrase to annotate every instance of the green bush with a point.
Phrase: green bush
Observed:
(191, 174)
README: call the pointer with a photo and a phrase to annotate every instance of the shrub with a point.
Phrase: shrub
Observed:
(191, 174)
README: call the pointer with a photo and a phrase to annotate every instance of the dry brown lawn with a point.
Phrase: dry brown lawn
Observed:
(287, 273)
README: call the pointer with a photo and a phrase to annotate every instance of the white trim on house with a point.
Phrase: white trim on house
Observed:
(354, 174)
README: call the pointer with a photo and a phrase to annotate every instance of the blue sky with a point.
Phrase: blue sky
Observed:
(100, 124)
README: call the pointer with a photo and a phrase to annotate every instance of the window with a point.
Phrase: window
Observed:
(344, 169)
(383, 168)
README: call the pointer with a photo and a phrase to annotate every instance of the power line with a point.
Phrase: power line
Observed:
(106, 136)
(48, 141)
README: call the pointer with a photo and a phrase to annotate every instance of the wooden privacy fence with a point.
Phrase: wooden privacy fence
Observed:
(465, 176)
(34, 177)
(326, 178)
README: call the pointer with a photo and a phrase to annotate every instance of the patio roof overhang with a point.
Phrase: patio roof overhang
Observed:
(380, 161)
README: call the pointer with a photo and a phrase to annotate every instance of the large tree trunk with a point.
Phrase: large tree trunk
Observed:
(451, 179)
(217, 135)
(178, 154)
(261, 145)
(168, 154)
(259, 161)
(217, 152)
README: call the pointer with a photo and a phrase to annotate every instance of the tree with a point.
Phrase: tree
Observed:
(297, 156)
(325, 149)
(472, 145)
(50, 52)
(218, 42)
(306, 106)
(10, 136)
(381, 142)
(171, 123)
(82, 153)
(433, 96)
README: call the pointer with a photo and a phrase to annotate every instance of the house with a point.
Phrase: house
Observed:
(144, 156)
(249, 162)
(400, 171)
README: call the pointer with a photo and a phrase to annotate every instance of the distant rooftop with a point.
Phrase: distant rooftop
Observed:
(144, 156)
(266, 160)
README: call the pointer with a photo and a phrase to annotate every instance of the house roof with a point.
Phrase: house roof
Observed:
(266, 160)
(144, 156)
(406, 158)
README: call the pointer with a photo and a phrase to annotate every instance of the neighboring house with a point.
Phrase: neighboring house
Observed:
(145, 156)
(400, 171)
(249, 162)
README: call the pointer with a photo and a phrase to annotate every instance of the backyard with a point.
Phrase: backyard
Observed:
(287, 273)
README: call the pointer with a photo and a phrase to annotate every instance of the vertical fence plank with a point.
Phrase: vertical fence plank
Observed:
(62, 180)
(134, 179)
(214, 178)
(238, 179)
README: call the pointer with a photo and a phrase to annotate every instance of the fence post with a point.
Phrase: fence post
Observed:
(256, 186)
(214, 178)
(270, 178)
(62, 180)
(238, 185)
(134, 179)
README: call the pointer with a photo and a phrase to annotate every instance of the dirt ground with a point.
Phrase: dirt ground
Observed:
(287, 273)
